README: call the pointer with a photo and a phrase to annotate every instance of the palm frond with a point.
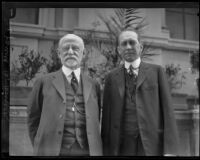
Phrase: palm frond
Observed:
(117, 24)
(120, 13)
(131, 10)
(140, 26)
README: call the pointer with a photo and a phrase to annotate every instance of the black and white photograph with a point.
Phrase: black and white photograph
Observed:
(100, 80)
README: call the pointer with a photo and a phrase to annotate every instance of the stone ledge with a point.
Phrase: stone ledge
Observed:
(38, 31)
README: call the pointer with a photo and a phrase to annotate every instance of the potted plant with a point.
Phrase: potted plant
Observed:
(29, 65)
(193, 101)
(194, 61)
(175, 77)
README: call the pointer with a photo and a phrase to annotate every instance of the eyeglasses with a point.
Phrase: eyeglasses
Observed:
(128, 42)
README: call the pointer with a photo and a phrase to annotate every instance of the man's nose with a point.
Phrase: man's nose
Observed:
(128, 46)
(70, 51)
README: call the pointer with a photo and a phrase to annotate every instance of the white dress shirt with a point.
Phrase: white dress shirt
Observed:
(67, 72)
(135, 65)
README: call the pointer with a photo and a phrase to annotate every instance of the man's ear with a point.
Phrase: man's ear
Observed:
(58, 52)
(141, 47)
(84, 52)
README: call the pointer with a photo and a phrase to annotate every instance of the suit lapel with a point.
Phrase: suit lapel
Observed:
(58, 83)
(142, 74)
(120, 78)
(87, 86)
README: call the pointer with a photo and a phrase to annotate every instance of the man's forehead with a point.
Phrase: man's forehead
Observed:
(72, 38)
(128, 35)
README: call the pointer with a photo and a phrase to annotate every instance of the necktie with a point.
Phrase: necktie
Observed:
(132, 80)
(74, 82)
(131, 73)
(130, 70)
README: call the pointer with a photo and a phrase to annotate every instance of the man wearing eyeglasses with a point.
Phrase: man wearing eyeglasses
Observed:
(64, 108)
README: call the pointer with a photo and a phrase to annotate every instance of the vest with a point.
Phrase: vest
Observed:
(130, 124)
(75, 121)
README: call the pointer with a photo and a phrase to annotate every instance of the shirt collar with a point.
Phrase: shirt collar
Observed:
(135, 63)
(68, 71)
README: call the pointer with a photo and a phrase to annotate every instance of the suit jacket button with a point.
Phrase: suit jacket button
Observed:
(60, 132)
(60, 116)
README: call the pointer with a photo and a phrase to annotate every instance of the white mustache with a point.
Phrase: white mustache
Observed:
(69, 57)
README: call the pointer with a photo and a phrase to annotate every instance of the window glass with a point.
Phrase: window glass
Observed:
(183, 23)
(175, 24)
(191, 32)
(26, 15)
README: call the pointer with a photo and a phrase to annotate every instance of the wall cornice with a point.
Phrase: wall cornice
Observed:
(41, 32)
(36, 31)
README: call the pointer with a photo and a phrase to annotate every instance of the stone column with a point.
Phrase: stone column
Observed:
(195, 132)
(70, 18)
(47, 17)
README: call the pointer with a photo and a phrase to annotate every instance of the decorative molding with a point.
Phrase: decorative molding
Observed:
(187, 114)
(38, 31)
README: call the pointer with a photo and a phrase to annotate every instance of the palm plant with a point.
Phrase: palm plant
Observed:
(123, 18)
(126, 18)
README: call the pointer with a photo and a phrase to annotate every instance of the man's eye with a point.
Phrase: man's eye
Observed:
(75, 48)
(125, 43)
(131, 43)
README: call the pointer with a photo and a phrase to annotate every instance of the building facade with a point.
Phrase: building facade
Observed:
(172, 32)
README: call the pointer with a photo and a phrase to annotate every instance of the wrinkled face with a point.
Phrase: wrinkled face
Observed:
(71, 49)
(129, 47)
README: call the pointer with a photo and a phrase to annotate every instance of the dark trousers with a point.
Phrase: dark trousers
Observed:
(131, 146)
(74, 150)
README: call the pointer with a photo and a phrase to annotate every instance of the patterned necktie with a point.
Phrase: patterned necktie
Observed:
(74, 82)
(131, 73)
(131, 70)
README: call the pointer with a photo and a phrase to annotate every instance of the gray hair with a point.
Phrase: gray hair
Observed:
(70, 36)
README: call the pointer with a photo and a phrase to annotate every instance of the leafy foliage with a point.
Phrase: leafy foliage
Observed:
(175, 76)
(194, 60)
(53, 64)
(30, 63)
(15, 76)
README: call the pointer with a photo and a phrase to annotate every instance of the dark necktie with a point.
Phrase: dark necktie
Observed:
(131, 73)
(74, 82)
(132, 80)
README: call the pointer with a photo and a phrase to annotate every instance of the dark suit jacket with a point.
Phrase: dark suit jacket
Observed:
(156, 120)
(46, 113)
